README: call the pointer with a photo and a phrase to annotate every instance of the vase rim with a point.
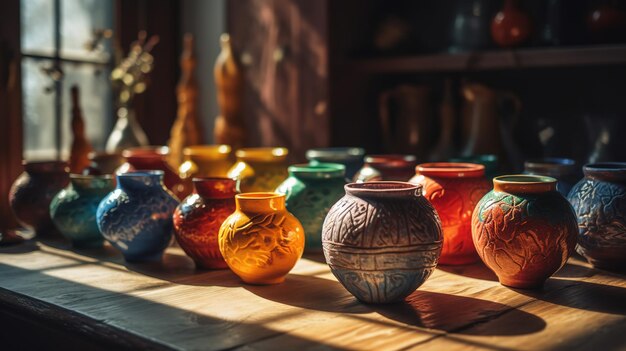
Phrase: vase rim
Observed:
(336, 153)
(524, 183)
(207, 187)
(260, 201)
(142, 173)
(391, 161)
(551, 165)
(146, 151)
(609, 171)
(46, 166)
(80, 176)
(318, 171)
(451, 169)
(383, 189)
(262, 154)
(209, 151)
(103, 154)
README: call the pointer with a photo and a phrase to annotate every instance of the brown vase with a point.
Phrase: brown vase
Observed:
(154, 158)
(524, 229)
(511, 26)
(81, 147)
(386, 167)
(104, 163)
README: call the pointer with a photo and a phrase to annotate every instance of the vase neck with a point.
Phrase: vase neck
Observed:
(260, 202)
(46, 167)
(90, 184)
(391, 161)
(450, 170)
(215, 188)
(317, 171)
(524, 184)
(140, 180)
(384, 189)
(609, 171)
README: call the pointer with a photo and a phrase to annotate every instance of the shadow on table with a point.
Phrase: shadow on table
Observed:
(476, 270)
(20, 248)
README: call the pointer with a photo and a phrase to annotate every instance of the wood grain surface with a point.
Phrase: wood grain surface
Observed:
(95, 295)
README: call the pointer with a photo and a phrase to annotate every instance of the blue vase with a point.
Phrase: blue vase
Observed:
(311, 190)
(136, 217)
(564, 170)
(73, 209)
(350, 157)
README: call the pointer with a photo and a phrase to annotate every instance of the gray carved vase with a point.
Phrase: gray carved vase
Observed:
(382, 240)
(599, 200)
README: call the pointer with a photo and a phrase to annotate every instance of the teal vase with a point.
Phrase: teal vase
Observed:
(73, 209)
(310, 191)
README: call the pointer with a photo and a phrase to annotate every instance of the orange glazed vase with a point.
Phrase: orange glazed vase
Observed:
(198, 218)
(454, 189)
(524, 230)
(261, 241)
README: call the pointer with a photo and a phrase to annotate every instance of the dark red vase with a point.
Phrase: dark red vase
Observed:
(511, 26)
(154, 158)
(387, 168)
(198, 218)
(32, 192)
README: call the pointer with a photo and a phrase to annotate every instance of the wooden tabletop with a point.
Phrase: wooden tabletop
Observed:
(94, 295)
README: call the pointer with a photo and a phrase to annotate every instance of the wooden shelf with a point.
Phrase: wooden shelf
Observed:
(495, 60)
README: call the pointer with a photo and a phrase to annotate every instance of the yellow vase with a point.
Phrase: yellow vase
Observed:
(205, 161)
(261, 241)
(260, 169)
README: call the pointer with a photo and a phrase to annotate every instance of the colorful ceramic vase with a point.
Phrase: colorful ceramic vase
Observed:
(382, 240)
(386, 167)
(73, 209)
(599, 200)
(311, 190)
(205, 161)
(261, 241)
(511, 26)
(198, 218)
(32, 192)
(103, 163)
(350, 157)
(136, 217)
(489, 161)
(524, 230)
(564, 170)
(260, 169)
(153, 158)
(454, 189)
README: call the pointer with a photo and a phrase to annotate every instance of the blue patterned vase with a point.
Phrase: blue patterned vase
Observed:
(73, 209)
(599, 200)
(382, 240)
(136, 217)
(311, 190)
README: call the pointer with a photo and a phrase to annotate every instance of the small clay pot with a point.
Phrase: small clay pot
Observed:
(153, 158)
(386, 168)
(524, 230)
(260, 169)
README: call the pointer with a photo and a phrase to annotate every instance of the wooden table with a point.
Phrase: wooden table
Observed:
(51, 295)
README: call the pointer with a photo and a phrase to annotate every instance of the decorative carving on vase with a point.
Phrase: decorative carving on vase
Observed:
(81, 148)
(382, 240)
(229, 126)
(187, 129)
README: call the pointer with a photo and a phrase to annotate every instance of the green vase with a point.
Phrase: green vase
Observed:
(310, 191)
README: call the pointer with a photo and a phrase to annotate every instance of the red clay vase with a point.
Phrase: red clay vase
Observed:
(524, 229)
(386, 168)
(198, 218)
(32, 192)
(511, 26)
(154, 158)
(454, 189)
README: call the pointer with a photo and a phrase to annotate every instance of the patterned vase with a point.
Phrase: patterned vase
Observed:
(32, 192)
(311, 190)
(563, 169)
(350, 157)
(198, 218)
(386, 167)
(153, 158)
(454, 189)
(259, 169)
(103, 163)
(261, 241)
(524, 230)
(136, 218)
(382, 240)
(73, 209)
(599, 200)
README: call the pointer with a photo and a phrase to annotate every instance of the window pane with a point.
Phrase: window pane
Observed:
(39, 139)
(37, 26)
(79, 19)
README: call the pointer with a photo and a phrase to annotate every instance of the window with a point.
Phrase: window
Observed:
(64, 44)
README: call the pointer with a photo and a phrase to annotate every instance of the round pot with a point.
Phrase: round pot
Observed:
(154, 158)
(73, 209)
(454, 189)
(599, 200)
(382, 240)
(198, 218)
(310, 192)
(386, 167)
(32, 192)
(205, 161)
(103, 163)
(564, 170)
(524, 230)
(136, 218)
(259, 169)
(261, 241)
(350, 157)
